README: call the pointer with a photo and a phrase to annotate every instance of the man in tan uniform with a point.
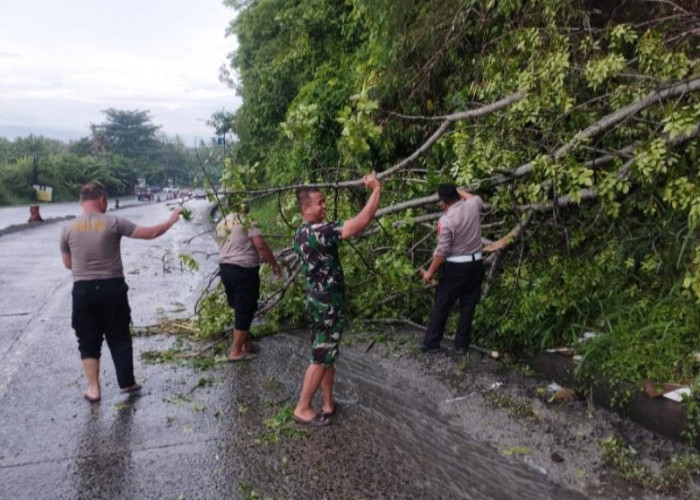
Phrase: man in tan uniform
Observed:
(458, 252)
(90, 248)
(241, 247)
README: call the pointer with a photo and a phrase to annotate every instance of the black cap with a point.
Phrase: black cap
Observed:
(448, 193)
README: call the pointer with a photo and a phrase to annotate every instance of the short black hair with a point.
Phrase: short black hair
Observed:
(304, 193)
(92, 190)
(448, 193)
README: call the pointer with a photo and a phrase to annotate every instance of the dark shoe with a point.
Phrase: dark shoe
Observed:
(317, 421)
(427, 349)
(461, 351)
(91, 400)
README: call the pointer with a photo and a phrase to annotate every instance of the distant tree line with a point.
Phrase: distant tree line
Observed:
(126, 147)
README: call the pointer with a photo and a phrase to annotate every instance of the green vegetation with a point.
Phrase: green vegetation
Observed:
(590, 170)
(515, 408)
(677, 475)
(280, 426)
(516, 450)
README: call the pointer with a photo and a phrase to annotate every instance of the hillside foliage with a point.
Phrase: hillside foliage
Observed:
(590, 173)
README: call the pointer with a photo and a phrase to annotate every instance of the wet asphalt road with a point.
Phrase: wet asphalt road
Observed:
(201, 434)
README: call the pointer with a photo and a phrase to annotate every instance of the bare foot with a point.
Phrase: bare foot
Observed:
(243, 353)
(308, 414)
(245, 356)
(93, 393)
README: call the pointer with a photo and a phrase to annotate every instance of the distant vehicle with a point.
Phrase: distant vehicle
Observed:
(200, 194)
(144, 194)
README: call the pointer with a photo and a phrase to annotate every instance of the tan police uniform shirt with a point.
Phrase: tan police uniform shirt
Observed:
(235, 244)
(459, 229)
(94, 242)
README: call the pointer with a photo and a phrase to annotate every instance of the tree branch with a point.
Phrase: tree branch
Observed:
(448, 120)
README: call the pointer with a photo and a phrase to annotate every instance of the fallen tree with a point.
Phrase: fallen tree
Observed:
(577, 125)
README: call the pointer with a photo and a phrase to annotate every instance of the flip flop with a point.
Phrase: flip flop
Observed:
(133, 388)
(328, 414)
(91, 400)
(246, 357)
(317, 421)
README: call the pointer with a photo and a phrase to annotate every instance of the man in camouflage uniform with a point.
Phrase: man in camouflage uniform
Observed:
(316, 244)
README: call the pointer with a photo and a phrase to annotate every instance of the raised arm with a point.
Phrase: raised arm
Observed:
(465, 195)
(266, 254)
(358, 223)
(150, 232)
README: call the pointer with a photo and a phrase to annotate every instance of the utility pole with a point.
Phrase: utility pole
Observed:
(35, 160)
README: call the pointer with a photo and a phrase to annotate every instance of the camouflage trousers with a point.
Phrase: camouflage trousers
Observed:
(326, 314)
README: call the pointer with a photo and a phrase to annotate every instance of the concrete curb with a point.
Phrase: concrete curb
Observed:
(30, 225)
(660, 415)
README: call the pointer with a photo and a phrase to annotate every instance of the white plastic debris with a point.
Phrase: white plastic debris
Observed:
(496, 385)
(678, 394)
(452, 400)
(564, 351)
(553, 388)
(589, 335)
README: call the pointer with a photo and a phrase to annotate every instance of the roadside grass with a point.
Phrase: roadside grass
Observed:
(675, 476)
(266, 214)
(516, 409)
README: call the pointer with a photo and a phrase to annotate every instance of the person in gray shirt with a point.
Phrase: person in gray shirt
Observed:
(90, 248)
(241, 248)
(458, 253)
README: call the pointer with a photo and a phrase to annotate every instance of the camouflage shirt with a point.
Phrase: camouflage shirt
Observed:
(317, 247)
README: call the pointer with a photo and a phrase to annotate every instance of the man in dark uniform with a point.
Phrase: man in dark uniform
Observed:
(316, 244)
(458, 252)
(90, 248)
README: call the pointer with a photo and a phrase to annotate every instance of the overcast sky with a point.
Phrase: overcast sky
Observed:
(63, 61)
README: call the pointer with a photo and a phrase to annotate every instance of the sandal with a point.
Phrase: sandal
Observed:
(91, 400)
(328, 414)
(245, 357)
(317, 421)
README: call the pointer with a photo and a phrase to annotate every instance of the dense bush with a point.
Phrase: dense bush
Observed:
(595, 168)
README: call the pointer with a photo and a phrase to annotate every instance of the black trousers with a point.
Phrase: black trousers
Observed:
(242, 285)
(458, 281)
(101, 310)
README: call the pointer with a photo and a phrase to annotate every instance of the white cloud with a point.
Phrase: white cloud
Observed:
(62, 63)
